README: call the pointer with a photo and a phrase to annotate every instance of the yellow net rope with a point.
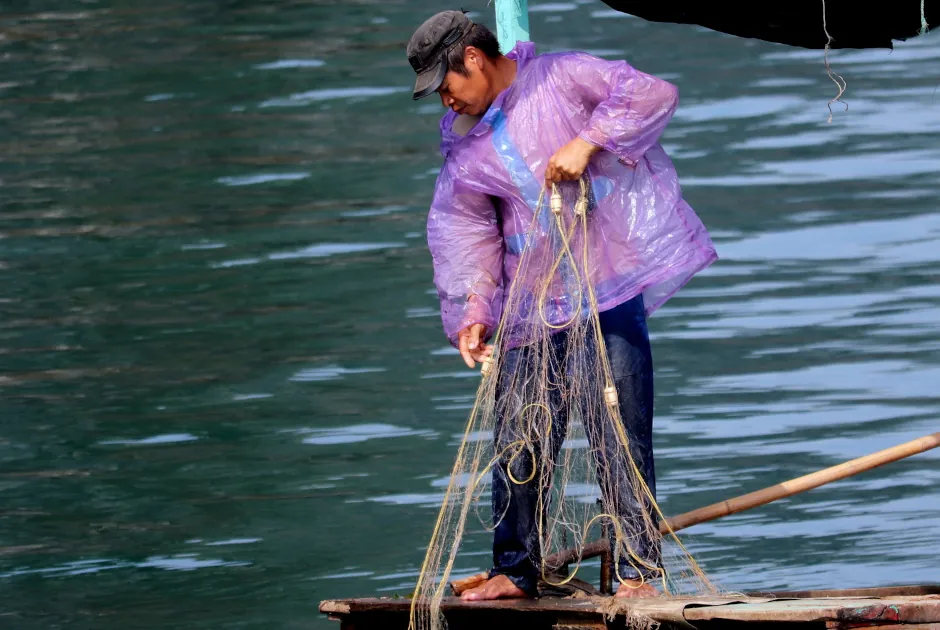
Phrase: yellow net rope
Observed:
(521, 404)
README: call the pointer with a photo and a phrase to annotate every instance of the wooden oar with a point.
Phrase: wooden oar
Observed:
(802, 484)
(744, 502)
(767, 495)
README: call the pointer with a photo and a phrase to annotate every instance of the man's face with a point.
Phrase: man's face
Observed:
(466, 95)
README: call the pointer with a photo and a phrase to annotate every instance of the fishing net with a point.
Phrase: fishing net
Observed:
(546, 413)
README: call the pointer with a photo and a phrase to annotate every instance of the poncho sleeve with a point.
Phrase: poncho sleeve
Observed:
(629, 109)
(466, 245)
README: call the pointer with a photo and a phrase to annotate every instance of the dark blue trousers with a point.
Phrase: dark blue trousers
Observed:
(517, 506)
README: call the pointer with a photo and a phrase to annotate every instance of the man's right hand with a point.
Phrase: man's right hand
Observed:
(471, 345)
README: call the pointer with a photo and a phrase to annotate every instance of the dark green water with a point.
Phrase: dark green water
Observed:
(225, 390)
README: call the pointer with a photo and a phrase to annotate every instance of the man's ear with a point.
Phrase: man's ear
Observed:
(473, 57)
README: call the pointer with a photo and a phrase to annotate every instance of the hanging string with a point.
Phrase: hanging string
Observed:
(923, 19)
(837, 79)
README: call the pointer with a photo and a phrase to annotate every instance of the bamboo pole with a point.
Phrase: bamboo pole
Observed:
(800, 484)
(766, 495)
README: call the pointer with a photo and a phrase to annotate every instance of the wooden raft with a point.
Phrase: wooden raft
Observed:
(890, 608)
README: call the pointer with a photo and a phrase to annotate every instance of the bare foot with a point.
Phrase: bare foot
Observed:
(635, 588)
(497, 587)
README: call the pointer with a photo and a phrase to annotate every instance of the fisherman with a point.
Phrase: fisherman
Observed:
(518, 122)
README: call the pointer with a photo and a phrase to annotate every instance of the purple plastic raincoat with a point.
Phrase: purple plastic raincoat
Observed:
(644, 238)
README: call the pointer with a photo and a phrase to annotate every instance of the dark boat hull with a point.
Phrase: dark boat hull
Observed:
(851, 24)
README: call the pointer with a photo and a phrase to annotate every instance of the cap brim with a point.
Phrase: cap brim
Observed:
(429, 80)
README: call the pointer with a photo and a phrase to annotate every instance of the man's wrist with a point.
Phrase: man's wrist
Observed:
(589, 147)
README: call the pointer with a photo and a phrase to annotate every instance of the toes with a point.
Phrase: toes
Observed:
(470, 595)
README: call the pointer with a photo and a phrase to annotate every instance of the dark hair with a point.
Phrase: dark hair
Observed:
(478, 37)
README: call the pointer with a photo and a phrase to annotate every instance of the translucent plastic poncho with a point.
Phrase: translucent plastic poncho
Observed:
(644, 237)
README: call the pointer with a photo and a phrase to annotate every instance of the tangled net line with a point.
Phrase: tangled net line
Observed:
(527, 402)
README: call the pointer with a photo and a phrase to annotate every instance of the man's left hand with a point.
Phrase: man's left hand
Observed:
(570, 161)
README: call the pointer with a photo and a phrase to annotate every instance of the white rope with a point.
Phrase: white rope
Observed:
(837, 79)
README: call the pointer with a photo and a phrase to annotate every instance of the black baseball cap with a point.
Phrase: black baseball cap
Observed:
(429, 46)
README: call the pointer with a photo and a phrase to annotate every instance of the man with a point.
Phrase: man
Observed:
(516, 121)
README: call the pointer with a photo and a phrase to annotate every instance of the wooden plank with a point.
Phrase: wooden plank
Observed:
(836, 625)
(335, 607)
(666, 610)
(557, 605)
(876, 591)
(545, 604)
(795, 610)
(924, 609)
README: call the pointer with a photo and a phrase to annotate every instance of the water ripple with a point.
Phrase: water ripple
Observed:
(359, 433)
(317, 96)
